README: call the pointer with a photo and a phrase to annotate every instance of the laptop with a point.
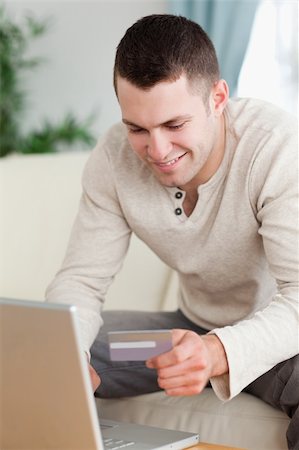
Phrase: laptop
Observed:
(46, 395)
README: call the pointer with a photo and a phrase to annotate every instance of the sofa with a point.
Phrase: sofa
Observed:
(39, 197)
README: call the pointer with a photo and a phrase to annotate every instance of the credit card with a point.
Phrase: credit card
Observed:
(138, 345)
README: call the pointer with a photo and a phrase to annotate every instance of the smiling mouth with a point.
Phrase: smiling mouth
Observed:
(169, 163)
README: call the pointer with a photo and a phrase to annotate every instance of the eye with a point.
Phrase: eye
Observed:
(176, 127)
(135, 130)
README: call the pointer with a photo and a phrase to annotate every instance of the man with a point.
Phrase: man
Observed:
(209, 184)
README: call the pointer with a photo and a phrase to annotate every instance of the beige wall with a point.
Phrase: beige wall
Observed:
(79, 50)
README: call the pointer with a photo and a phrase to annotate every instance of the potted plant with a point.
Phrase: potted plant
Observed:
(14, 42)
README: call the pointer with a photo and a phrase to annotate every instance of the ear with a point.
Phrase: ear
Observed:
(219, 97)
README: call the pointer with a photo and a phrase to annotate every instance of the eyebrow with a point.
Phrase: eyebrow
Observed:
(168, 122)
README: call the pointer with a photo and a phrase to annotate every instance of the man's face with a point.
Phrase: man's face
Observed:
(172, 130)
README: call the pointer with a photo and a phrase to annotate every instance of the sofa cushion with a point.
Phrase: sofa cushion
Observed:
(244, 421)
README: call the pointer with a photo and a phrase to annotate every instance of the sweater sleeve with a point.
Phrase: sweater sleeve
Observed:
(255, 345)
(97, 247)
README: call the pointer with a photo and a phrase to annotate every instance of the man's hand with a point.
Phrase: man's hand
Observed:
(194, 359)
(95, 379)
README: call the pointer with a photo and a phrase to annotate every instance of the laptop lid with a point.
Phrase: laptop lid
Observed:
(46, 396)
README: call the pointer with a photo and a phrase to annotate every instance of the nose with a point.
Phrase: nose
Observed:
(158, 146)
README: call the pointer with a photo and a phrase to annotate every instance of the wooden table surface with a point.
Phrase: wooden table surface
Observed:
(203, 446)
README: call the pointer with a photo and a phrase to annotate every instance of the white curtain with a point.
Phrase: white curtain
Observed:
(270, 68)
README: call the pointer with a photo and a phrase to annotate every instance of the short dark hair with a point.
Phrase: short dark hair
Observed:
(161, 47)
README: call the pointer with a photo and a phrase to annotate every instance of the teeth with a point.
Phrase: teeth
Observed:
(169, 163)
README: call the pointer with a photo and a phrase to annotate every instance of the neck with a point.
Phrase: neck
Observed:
(215, 158)
(190, 201)
(209, 169)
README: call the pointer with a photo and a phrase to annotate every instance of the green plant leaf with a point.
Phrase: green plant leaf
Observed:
(15, 39)
(52, 136)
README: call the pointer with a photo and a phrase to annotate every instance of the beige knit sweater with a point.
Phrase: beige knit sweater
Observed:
(236, 255)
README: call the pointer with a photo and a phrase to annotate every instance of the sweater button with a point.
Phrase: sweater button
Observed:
(178, 195)
(178, 211)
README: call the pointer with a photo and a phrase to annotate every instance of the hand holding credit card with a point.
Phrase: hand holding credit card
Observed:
(138, 345)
